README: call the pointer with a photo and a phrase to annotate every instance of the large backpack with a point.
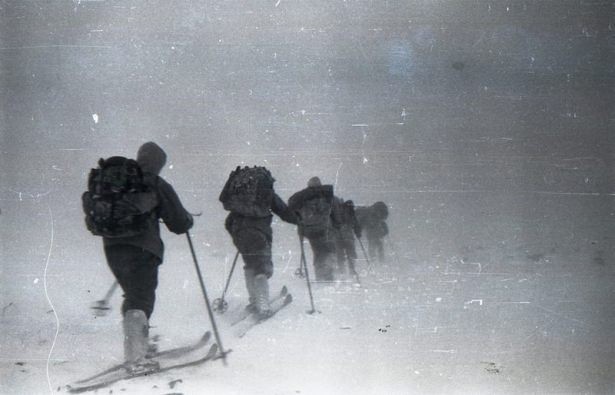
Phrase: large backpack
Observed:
(249, 192)
(118, 203)
(380, 210)
(315, 212)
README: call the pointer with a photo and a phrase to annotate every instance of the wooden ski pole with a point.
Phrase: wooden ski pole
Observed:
(101, 307)
(220, 304)
(307, 275)
(209, 311)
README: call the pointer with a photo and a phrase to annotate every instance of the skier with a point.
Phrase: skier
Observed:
(134, 249)
(373, 220)
(346, 228)
(249, 196)
(312, 206)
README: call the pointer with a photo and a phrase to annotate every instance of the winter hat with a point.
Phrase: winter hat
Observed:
(151, 158)
(314, 182)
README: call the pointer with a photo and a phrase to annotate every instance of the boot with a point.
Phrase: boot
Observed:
(136, 330)
(249, 275)
(261, 288)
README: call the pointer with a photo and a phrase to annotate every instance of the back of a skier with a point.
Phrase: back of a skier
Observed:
(134, 258)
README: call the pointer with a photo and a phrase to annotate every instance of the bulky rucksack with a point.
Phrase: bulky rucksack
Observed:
(380, 210)
(118, 203)
(315, 214)
(249, 192)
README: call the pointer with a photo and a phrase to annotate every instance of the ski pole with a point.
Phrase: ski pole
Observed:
(211, 315)
(220, 304)
(369, 264)
(101, 307)
(307, 276)
(393, 245)
(110, 292)
(299, 271)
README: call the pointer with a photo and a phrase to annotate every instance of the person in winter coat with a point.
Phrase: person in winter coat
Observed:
(372, 220)
(134, 260)
(252, 234)
(346, 228)
(313, 207)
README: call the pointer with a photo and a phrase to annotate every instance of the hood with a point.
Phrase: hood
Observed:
(314, 182)
(381, 210)
(151, 158)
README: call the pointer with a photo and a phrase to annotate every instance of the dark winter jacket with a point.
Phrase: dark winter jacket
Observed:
(151, 159)
(235, 221)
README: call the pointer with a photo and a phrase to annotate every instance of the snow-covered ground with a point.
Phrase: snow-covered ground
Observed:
(491, 312)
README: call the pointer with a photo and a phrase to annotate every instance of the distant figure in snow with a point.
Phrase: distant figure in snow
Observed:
(249, 196)
(313, 207)
(346, 228)
(372, 220)
(124, 203)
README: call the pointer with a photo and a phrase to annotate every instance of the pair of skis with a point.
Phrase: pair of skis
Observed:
(167, 360)
(248, 320)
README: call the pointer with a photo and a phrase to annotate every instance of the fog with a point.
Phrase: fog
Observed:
(486, 126)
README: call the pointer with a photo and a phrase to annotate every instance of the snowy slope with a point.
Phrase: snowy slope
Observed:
(478, 319)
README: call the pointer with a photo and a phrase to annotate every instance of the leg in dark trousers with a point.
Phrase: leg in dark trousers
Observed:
(372, 246)
(136, 270)
(323, 250)
(340, 250)
(346, 251)
(255, 249)
(380, 249)
(351, 254)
